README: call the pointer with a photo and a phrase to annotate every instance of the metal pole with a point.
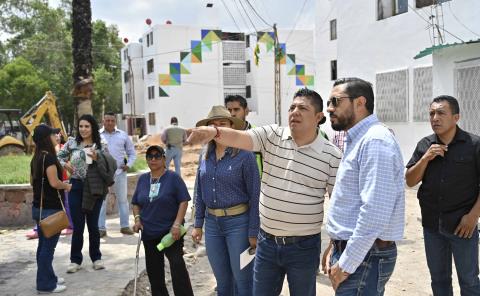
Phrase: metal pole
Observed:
(278, 99)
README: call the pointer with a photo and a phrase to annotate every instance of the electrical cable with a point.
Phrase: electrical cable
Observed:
(463, 25)
(296, 20)
(246, 13)
(258, 15)
(231, 15)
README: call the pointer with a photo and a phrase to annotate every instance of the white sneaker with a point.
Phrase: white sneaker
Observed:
(97, 265)
(60, 281)
(73, 267)
(58, 289)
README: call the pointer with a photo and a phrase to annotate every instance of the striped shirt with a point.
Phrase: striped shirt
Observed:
(368, 201)
(294, 181)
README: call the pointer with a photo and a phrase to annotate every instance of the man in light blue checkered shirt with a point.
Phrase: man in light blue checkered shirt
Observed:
(367, 209)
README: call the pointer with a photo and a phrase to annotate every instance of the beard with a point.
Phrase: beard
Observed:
(343, 122)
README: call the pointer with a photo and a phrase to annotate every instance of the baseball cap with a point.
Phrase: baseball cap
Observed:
(43, 131)
(157, 148)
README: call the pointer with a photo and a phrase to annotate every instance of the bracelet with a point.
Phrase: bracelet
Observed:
(217, 135)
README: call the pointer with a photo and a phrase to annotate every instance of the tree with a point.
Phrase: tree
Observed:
(20, 84)
(82, 56)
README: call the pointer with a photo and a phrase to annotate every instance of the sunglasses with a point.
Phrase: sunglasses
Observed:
(154, 156)
(335, 101)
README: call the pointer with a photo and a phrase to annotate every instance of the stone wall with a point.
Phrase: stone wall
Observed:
(16, 202)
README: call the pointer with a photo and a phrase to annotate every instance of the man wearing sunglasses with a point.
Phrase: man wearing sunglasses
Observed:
(366, 214)
(299, 167)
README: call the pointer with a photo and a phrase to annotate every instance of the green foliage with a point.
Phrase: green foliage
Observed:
(20, 84)
(15, 169)
(139, 165)
(41, 35)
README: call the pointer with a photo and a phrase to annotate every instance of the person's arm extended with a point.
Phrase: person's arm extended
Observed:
(225, 136)
(54, 181)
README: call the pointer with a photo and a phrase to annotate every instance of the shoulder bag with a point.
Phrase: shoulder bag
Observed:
(55, 223)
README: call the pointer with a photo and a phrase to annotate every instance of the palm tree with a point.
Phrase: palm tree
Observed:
(82, 56)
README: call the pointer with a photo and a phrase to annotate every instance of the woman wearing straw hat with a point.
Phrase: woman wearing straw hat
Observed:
(227, 201)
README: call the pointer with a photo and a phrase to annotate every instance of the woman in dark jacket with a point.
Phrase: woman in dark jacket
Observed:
(46, 174)
(78, 156)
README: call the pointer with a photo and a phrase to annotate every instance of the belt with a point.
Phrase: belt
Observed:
(285, 240)
(340, 245)
(231, 211)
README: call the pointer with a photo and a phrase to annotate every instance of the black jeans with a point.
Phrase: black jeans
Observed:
(155, 262)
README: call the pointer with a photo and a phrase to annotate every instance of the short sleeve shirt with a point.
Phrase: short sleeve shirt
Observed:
(159, 213)
(50, 199)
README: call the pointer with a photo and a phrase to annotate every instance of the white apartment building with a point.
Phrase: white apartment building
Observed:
(378, 40)
(183, 71)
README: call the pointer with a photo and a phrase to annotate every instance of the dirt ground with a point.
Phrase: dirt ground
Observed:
(410, 278)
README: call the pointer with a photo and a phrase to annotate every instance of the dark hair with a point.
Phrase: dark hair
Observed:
(109, 113)
(236, 98)
(452, 102)
(313, 96)
(42, 146)
(173, 120)
(356, 87)
(95, 134)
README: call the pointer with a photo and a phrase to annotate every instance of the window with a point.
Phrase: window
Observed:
(150, 39)
(333, 29)
(151, 92)
(248, 91)
(151, 118)
(149, 66)
(333, 70)
(388, 8)
(424, 3)
(126, 76)
(127, 98)
(247, 41)
(247, 65)
(125, 55)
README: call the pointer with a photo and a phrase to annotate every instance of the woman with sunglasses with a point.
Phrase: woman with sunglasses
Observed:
(159, 204)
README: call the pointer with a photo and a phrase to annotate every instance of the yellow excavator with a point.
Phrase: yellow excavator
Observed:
(16, 135)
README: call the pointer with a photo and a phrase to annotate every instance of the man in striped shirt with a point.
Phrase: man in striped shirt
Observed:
(366, 213)
(299, 167)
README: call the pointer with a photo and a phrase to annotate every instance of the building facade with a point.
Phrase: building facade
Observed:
(183, 71)
(378, 41)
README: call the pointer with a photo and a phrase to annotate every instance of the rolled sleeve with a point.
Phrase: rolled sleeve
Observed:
(377, 176)
(130, 150)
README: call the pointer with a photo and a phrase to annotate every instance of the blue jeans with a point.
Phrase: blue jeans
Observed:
(299, 261)
(120, 189)
(371, 276)
(439, 248)
(175, 154)
(79, 217)
(226, 238)
(46, 278)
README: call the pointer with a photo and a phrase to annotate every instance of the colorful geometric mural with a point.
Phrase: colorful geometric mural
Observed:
(187, 58)
(286, 59)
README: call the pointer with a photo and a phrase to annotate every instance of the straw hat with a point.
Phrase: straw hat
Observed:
(220, 112)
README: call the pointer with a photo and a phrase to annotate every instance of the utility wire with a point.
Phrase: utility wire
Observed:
(428, 22)
(296, 20)
(247, 28)
(248, 15)
(257, 14)
(463, 25)
(231, 15)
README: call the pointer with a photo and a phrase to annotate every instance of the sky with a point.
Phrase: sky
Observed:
(130, 15)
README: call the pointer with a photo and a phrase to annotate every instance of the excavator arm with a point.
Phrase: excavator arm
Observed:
(46, 107)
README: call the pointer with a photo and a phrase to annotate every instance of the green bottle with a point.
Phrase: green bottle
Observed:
(168, 240)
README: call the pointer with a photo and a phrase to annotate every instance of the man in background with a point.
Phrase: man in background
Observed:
(174, 137)
(122, 150)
